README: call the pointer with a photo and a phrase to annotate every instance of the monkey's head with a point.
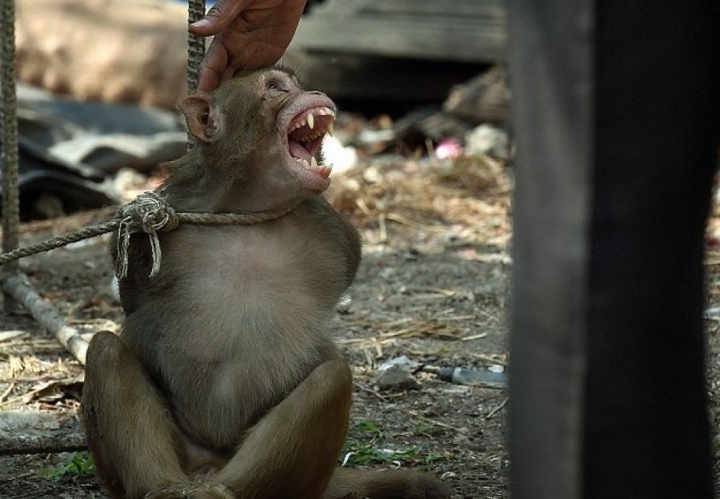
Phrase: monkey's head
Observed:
(262, 134)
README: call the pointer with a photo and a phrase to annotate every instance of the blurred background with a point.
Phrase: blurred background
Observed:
(99, 80)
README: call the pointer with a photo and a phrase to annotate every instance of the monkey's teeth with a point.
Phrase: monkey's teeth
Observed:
(313, 165)
(330, 129)
(326, 111)
(311, 121)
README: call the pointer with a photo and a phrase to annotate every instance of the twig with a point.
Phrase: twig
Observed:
(369, 390)
(411, 223)
(488, 315)
(474, 337)
(19, 288)
(7, 391)
(497, 409)
(17, 477)
(41, 443)
(432, 421)
(455, 318)
(22, 397)
(383, 228)
(11, 335)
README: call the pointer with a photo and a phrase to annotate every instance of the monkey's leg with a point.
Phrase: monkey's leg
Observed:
(130, 432)
(292, 452)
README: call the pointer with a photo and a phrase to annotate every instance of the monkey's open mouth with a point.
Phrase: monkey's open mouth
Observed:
(305, 133)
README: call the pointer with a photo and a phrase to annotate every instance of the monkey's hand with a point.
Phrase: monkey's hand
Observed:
(250, 34)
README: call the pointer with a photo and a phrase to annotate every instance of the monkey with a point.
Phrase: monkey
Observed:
(225, 382)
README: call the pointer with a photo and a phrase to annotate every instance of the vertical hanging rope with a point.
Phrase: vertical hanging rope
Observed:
(9, 131)
(196, 44)
(196, 51)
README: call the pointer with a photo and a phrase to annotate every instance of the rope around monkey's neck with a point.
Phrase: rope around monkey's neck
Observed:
(149, 213)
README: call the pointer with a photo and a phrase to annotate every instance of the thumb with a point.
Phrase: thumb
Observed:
(218, 17)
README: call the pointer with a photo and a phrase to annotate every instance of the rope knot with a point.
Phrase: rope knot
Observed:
(148, 213)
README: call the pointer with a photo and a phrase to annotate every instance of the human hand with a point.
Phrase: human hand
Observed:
(249, 34)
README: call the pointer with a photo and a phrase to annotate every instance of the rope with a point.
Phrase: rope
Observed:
(196, 52)
(148, 213)
(9, 148)
(196, 45)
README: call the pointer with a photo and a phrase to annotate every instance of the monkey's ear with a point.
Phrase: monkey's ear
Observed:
(200, 117)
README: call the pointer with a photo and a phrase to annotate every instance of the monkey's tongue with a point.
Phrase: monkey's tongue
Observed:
(298, 151)
(307, 161)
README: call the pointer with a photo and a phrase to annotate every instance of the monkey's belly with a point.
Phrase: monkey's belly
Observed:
(231, 396)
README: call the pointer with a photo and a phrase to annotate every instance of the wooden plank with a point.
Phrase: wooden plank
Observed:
(464, 30)
(463, 41)
(421, 23)
(461, 9)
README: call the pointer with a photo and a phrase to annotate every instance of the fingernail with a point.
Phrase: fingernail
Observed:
(202, 23)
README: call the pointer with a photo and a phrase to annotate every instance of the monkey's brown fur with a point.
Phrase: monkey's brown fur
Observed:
(225, 382)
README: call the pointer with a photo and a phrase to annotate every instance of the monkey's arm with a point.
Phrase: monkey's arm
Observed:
(345, 235)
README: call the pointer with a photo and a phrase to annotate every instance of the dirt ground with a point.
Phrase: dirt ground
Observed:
(433, 287)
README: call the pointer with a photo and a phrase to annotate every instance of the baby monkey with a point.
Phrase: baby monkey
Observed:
(225, 382)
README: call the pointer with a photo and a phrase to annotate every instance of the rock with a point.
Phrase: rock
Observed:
(344, 305)
(402, 361)
(461, 440)
(457, 390)
(489, 140)
(483, 99)
(396, 378)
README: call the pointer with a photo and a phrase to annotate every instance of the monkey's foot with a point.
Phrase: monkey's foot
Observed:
(197, 490)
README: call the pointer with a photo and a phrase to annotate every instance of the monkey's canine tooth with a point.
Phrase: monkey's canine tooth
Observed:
(330, 129)
(311, 121)
(313, 163)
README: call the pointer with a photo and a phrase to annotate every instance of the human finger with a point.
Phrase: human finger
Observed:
(214, 66)
(218, 17)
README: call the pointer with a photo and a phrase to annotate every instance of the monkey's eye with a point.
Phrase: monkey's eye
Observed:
(275, 85)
